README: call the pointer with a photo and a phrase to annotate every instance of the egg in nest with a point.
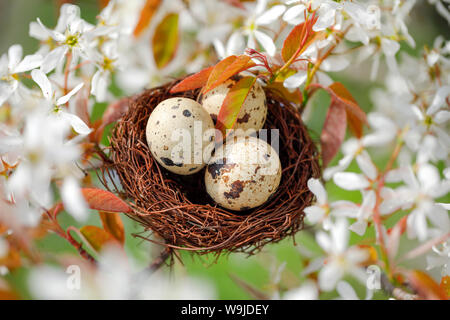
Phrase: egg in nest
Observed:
(244, 175)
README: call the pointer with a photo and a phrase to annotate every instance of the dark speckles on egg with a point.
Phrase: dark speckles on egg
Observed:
(236, 188)
(168, 162)
(186, 113)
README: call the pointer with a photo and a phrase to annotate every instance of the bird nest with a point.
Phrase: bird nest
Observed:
(178, 209)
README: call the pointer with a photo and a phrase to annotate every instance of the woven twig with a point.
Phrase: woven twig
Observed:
(178, 208)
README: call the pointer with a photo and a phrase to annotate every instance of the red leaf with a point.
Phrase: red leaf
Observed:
(103, 200)
(195, 81)
(425, 286)
(299, 39)
(165, 40)
(333, 131)
(115, 111)
(113, 224)
(147, 13)
(355, 115)
(96, 236)
(217, 71)
(233, 102)
(241, 63)
(280, 90)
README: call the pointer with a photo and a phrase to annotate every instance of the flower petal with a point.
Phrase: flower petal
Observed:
(14, 56)
(28, 63)
(366, 165)
(67, 97)
(73, 199)
(319, 191)
(53, 58)
(295, 80)
(266, 42)
(77, 124)
(41, 79)
(270, 15)
(350, 181)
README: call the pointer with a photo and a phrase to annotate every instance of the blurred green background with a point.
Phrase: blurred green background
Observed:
(425, 25)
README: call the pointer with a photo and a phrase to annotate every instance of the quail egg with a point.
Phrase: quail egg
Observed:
(244, 174)
(253, 111)
(180, 135)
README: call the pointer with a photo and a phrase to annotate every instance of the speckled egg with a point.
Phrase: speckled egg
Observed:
(244, 175)
(180, 135)
(253, 112)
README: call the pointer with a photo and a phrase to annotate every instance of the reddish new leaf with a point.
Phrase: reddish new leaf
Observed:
(280, 90)
(425, 286)
(299, 39)
(333, 131)
(146, 15)
(241, 63)
(113, 224)
(96, 236)
(103, 200)
(355, 115)
(233, 102)
(195, 81)
(115, 111)
(165, 40)
(217, 71)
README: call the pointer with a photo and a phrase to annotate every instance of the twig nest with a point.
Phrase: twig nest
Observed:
(245, 175)
(253, 112)
(180, 135)
(179, 210)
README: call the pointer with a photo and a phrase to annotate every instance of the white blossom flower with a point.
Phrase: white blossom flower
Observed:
(307, 291)
(322, 211)
(11, 65)
(55, 103)
(346, 292)
(340, 259)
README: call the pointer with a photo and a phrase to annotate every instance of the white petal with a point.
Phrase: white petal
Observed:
(99, 85)
(329, 276)
(73, 199)
(439, 99)
(14, 56)
(350, 181)
(293, 12)
(67, 97)
(36, 31)
(270, 15)
(7, 89)
(319, 191)
(314, 214)
(266, 42)
(307, 291)
(335, 63)
(53, 58)
(28, 63)
(220, 48)
(442, 117)
(41, 79)
(324, 241)
(296, 80)
(235, 44)
(260, 6)
(77, 124)
(346, 291)
(389, 47)
(366, 165)
(359, 227)
(340, 236)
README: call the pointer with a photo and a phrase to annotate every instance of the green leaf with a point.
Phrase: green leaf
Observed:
(233, 102)
(165, 40)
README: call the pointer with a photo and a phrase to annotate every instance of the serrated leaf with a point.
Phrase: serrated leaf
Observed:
(97, 237)
(233, 102)
(241, 63)
(425, 286)
(165, 40)
(113, 224)
(192, 82)
(103, 200)
(356, 117)
(217, 71)
(147, 12)
(333, 131)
